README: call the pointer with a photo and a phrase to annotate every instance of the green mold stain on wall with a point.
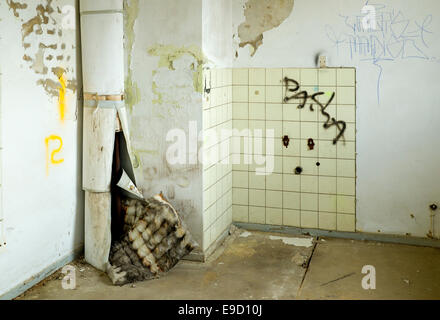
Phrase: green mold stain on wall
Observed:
(169, 53)
(132, 91)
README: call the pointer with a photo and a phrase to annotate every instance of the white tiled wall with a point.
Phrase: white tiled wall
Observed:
(322, 197)
(217, 171)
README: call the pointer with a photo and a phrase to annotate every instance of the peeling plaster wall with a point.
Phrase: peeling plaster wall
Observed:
(164, 86)
(217, 30)
(261, 16)
(41, 134)
(397, 104)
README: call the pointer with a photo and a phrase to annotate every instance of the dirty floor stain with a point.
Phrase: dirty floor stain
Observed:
(274, 271)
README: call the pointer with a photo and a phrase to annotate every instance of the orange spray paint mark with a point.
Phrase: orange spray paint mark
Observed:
(62, 97)
(50, 159)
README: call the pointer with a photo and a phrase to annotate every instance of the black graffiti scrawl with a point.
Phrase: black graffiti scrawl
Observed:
(292, 88)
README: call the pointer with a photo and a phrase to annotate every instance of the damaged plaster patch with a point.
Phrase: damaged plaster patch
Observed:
(132, 91)
(169, 54)
(41, 35)
(177, 82)
(245, 234)
(35, 23)
(298, 242)
(15, 6)
(180, 175)
(261, 16)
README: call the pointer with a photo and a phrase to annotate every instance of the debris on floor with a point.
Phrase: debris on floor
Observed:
(155, 239)
(298, 242)
(245, 234)
(334, 271)
(300, 259)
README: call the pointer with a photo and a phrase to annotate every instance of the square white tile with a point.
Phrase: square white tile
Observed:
(274, 216)
(274, 199)
(257, 76)
(240, 196)
(291, 182)
(291, 200)
(292, 218)
(309, 219)
(327, 167)
(257, 181)
(347, 150)
(346, 186)
(309, 183)
(239, 94)
(327, 77)
(346, 223)
(257, 111)
(240, 110)
(291, 113)
(240, 213)
(274, 111)
(346, 204)
(345, 95)
(327, 185)
(327, 203)
(327, 221)
(346, 168)
(274, 94)
(309, 77)
(257, 215)
(240, 76)
(309, 201)
(240, 179)
(257, 94)
(346, 76)
(257, 198)
(292, 129)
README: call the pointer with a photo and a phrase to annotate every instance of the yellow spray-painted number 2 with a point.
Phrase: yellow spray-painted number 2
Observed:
(50, 158)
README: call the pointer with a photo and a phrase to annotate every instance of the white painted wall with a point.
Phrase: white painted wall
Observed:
(177, 25)
(43, 214)
(397, 138)
(217, 33)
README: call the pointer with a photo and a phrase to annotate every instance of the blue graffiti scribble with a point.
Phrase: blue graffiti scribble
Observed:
(394, 38)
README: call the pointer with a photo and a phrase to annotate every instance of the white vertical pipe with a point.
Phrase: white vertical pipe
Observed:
(102, 33)
(97, 222)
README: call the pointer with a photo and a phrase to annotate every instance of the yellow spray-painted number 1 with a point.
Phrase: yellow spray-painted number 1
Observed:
(50, 158)
(62, 97)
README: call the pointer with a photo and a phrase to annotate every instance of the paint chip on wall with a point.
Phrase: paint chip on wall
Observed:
(262, 16)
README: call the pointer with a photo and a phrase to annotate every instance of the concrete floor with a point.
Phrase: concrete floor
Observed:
(255, 265)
